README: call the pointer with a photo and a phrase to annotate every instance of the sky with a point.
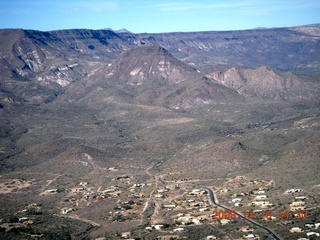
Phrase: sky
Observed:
(156, 16)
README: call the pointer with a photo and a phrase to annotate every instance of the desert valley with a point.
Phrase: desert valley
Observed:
(187, 135)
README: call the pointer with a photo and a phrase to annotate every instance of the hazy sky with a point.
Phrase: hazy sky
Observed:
(155, 16)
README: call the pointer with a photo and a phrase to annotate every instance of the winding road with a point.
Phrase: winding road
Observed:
(212, 200)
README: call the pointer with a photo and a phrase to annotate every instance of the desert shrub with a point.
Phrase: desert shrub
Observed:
(13, 219)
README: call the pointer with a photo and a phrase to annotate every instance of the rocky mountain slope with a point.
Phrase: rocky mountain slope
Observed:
(151, 75)
(265, 83)
(50, 61)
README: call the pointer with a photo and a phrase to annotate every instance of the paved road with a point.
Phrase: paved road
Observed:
(211, 197)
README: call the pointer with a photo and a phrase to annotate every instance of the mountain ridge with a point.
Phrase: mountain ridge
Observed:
(51, 61)
(151, 75)
(266, 83)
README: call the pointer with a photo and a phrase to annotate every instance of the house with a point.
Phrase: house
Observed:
(211, 237)
(112, 169)
(246, 229)
(169, 206)
(162, 190)
(261, 197)
(261, 192)
(178, 229)
(266, 204)
(83, 184)
(23, 219)
(225, 190)
(185, 220)
(297, 203)
(257, 203)
(197, 192)
(159, 196)
(293, 190)
(250, 236)
(67, 210)
(204, 209)
(125, 234)
(317, 225)
(52, 190)
(158, 227)
(286, 223)
(240, 177)
(300, 198)
(172, 186)
(196, 221)
(236, 200)
(310, 225)
(224, 221)
(295, 230)
(297, 208)
(309, 234)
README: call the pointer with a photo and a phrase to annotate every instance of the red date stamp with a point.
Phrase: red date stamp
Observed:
(260, 214)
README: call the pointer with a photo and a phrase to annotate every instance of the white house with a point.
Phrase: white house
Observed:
(250, 236)
(260, 197)
(162, 190)
(197, 192)
(293, 190)
(295, 230)
(309, 234)
(300, 198)
(196, 221)
(211, 237)
(224, 221)
(125, 234)
(297, 203)
(204, 209)
(236, 200)
(310, 225)
(67, 210)
(51, 190)
(297, 208)
(169, 206)
(158, 227)
(256, 203)
(178, 229)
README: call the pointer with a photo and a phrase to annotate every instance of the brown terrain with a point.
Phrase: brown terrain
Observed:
(114, 135)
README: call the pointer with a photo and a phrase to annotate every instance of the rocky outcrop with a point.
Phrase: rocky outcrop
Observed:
(264, 82)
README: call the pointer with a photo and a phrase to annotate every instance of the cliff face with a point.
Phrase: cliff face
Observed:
(51, 61)
(293, 49)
